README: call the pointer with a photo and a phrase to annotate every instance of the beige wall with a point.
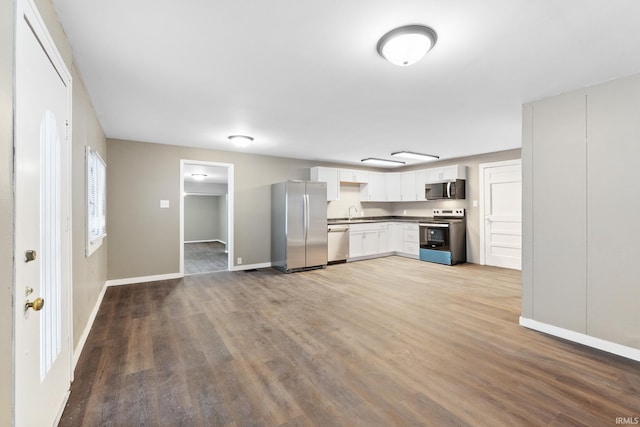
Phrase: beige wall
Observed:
(144, 239)
(202, 218)
(140, 174)
(6, 208)
(580, 277)
(89, 274)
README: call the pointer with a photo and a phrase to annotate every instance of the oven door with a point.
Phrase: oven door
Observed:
(434, 236)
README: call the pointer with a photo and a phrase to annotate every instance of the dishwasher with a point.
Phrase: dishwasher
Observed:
(338, 243)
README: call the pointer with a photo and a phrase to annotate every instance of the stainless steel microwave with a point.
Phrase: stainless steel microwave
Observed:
(445, 190)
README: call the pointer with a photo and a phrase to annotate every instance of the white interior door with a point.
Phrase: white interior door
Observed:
(42, 236)
(502, 214)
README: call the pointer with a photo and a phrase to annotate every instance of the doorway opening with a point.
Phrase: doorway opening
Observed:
(206, 217)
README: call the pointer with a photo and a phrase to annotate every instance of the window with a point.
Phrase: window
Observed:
(96, 200)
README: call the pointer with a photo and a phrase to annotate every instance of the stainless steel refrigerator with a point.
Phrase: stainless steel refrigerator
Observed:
(298, 225)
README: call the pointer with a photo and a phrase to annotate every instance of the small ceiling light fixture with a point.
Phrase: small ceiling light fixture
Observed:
(382, 162)
(415, 156)
(406, 45)
(240, 140)
(198, 176)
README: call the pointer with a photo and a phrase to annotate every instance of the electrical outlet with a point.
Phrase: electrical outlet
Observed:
(164, 204)
(404, 212)
(239, 260)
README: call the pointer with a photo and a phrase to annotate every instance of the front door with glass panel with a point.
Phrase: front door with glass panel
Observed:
(42, 348)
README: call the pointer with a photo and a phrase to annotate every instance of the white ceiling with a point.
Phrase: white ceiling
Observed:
(214, 174)
(304, 78)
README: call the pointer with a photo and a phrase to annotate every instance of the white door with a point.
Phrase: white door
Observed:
(42, 354)
(502, 214)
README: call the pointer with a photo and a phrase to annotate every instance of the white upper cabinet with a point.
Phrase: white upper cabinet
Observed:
(386, 186)
(330, 176)
(352, 175)
(420, 180)
(446, 173)
(394, 190)
(376, 189)
(408, 186)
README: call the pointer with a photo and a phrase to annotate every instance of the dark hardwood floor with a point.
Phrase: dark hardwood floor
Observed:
(205, 257)
(387, 342)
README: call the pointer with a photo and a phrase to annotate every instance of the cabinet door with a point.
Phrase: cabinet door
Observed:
(330, 176)
(446, 173)
(411, 234)
(396, 236)
(383, 238)
(356, 248)
(421, 180)
(449, 173)
(370, 242)
(408, 186)
(353, 175)
(376, 189)
(394, 183)
(434, 175)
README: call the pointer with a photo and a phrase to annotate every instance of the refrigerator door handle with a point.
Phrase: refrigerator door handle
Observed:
(306, 216)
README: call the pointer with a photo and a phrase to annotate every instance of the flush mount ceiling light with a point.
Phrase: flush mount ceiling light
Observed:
(415, 156)
(406, 45)
(381, 162)
(240, 140)
(198, 176)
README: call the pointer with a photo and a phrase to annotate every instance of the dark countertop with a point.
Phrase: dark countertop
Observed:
(366, 219)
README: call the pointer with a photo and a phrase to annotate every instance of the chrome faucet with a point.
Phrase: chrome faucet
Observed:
(350, 216)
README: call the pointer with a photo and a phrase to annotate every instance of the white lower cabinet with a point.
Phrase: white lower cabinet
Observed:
(396, 234)
(383, 238)
(369, 239)
(411, 239)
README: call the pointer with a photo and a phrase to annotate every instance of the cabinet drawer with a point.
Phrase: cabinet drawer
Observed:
(411, 236)
(411, 226)
(411, 248)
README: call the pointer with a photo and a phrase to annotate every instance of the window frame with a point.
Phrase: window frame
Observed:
(96, 202)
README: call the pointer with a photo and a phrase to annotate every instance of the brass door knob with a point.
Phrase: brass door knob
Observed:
(37, 304)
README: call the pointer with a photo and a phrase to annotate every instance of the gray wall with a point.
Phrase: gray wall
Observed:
(136, 224)
(88, 275)
(140, 174)
(7, 18)
(204, 218)
(580, 237)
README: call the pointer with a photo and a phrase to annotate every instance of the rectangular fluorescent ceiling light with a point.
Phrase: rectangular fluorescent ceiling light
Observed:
(381, 162)
(416, 156)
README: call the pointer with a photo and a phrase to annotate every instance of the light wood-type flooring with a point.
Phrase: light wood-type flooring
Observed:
(385, 342)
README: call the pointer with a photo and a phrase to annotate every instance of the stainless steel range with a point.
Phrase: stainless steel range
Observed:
(443, 239)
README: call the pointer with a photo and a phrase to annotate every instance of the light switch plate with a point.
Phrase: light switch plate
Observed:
(164, 204)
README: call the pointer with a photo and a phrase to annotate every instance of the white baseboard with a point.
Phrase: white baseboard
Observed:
(250, 266)
(600, 344)
(85, 334)
(132, 280)
(62, 408)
